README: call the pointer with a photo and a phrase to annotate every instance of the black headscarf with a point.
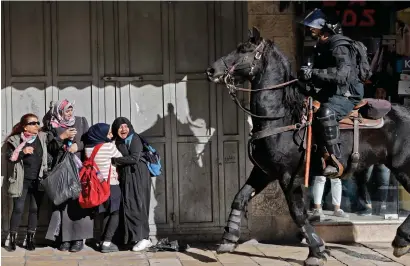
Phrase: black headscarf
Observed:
(97, 134)
(117, 124)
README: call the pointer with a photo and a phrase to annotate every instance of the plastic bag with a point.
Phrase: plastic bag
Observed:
(165, 245)
(63, 182)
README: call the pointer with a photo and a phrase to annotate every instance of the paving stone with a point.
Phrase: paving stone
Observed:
(41, 252)
(162, 255)
(164, 262)
(51, 263)
(128, 262)
(9, 261)
(42, 258)
(233, 258)
(19, 252)
(199, 263)
(195, 254)
(387, 250)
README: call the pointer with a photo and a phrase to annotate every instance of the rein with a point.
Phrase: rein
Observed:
(229, 82)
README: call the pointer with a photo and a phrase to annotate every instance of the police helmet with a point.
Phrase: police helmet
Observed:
(318, 20)
(315, 19)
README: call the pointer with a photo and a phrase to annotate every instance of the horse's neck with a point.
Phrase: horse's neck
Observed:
(267, 103)
(270, 102)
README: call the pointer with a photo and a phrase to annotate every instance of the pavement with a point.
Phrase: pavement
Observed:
(202, 254)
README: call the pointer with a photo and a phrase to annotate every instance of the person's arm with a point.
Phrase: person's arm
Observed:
(340, 73)
(134, 149)
(54, 142)
(10, 151)
(115, 153)
(81, 144)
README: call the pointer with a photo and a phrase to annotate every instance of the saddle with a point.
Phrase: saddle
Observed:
(368, 114)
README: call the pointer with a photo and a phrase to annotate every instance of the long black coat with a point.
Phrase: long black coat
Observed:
(69, 221)
(135, 184)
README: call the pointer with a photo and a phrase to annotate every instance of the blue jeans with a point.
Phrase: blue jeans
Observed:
(382, 175)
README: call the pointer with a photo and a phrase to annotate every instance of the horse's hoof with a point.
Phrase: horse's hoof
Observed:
(226, 248)
(313, 261)
(398, 252)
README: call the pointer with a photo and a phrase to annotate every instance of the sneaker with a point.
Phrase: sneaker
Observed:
(383, 210)
(143, 244)
(318, 213)
(365, 212)
(340, 213)
(111, 248)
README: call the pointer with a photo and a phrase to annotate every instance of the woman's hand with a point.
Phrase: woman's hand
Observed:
(28, 150)
(73, 148)
(68, 134)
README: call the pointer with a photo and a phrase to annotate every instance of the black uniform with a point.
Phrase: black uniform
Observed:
(335, 72)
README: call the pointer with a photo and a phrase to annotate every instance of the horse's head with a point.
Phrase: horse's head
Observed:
(243, 63)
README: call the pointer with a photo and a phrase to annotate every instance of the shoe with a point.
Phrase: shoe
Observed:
(318, 214)
(30, 241)
(143, 244)
(77, 246)
(383, 210)
(340, 213)
(111, 248)
(365, 212)
(65, 246)
(13, 239)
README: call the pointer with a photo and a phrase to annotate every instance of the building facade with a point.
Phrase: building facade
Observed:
(146, 61)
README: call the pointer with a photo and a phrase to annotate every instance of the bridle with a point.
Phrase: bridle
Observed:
(229, 80)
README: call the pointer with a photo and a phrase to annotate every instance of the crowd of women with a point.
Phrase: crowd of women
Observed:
(34, 151)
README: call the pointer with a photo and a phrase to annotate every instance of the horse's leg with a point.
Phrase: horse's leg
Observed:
(256, 182)
(294, 195)
(401, 242)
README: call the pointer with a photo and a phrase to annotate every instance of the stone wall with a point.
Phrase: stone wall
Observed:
(269, 215)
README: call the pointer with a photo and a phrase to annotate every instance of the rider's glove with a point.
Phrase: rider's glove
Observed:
(305, 73)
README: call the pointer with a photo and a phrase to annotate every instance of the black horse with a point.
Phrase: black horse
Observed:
(275, 154)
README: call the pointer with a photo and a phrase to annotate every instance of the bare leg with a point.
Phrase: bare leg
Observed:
(294, 195)
(256, 182)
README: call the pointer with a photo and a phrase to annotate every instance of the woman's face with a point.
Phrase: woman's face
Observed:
(32, 125)
(109, 135)
(68, 113)
(123, 131)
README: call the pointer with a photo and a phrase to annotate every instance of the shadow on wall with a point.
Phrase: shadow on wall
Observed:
(194, 175)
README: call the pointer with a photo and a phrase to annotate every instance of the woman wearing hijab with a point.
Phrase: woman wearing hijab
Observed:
(70, 224)
(27, 158)
(100, 135)
(135, 184)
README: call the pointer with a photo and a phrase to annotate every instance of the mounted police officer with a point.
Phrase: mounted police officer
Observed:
(335, 77)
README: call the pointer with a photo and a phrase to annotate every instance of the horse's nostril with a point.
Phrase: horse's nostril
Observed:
(210, 71)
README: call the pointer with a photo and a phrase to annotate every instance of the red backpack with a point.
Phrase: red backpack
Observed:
(93, 191)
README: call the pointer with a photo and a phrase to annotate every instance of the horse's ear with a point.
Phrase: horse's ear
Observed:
(255, 35)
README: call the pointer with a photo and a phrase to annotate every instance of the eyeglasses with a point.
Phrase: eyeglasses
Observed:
(33, 123)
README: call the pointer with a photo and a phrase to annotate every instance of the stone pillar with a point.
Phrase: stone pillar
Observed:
(269, 216)
(275, 25)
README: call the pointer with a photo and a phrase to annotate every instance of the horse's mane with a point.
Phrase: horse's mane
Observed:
(292, 98)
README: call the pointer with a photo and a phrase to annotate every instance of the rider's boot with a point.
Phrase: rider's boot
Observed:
(317, 249)
(232, 230)
(331, 134)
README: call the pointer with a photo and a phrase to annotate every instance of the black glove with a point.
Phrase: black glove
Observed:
(305, 73)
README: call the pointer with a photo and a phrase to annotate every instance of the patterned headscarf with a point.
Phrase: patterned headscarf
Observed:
(57, 114)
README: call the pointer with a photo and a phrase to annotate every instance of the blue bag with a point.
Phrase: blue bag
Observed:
(149, 155)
